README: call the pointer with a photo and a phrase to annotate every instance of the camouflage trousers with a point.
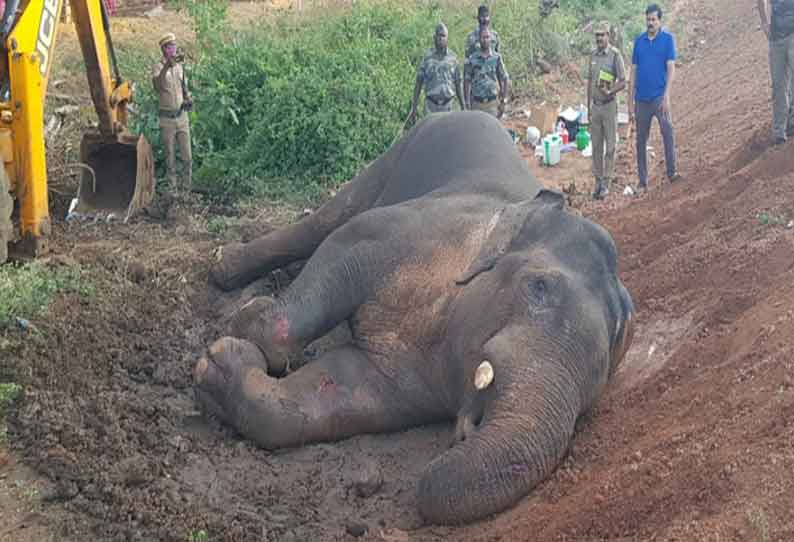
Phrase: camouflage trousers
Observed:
(432, 107)
(491, 107)
(175, 133)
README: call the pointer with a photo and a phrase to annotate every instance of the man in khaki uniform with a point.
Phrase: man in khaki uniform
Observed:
(486, 83)
(439, 73)
(606, 77)
(170, 83)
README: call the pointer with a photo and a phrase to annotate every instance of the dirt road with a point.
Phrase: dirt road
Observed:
(694, 441)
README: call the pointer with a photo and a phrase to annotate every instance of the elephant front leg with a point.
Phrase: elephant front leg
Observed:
(313, 305)
(341, 394)
(272, 326)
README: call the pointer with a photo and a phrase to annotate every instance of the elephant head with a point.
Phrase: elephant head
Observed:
(543, 305)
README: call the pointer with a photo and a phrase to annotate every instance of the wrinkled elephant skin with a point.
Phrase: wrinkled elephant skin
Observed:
(472, 295)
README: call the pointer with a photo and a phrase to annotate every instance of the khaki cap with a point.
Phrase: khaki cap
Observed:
(167, 38)
(601, 27)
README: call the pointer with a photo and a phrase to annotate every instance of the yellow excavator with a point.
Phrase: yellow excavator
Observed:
(118, 167)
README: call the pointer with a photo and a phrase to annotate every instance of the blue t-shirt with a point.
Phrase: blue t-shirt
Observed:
(651, 56)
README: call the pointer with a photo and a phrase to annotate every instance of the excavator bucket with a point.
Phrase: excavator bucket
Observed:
(119, 178)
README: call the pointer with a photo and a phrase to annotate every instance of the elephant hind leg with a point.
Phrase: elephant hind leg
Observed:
(341, 394)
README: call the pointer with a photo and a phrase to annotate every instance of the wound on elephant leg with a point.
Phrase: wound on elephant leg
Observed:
(281, 329)
(271, 331)
(283, 350)
(327, 384)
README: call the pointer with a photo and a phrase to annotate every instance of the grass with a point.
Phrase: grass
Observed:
(26, 290)
(770, 219)
(759, 523)
(198, 536)
(28, 492)
(9, 392)
(219, 225)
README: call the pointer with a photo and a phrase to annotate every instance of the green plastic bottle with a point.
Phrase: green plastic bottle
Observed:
(582, 138)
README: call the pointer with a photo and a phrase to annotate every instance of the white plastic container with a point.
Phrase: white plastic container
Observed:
(533, 136)
(551, 149)
(583, 115)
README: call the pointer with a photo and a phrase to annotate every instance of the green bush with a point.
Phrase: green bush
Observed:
(9, 391)
(290, 107)
(26, 290)
(8, 394)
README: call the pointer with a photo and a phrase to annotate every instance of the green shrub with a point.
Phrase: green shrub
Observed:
(198, 536)
(9, 391)
(292, 106)
(8, 394)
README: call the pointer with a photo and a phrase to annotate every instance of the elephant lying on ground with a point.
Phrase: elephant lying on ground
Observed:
(472, 295)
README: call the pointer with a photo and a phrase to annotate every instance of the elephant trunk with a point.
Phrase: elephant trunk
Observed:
(523, 436)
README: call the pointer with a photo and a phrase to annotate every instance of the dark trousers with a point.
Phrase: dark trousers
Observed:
(781, 66)
(644, 113)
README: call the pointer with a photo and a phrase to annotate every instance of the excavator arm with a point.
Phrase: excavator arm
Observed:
(109, 91)
(119, 176)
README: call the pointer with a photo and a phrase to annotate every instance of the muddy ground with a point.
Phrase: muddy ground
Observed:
(693, 441)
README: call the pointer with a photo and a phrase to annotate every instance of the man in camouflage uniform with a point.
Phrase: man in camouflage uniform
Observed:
(606, 77)
(545, 7)
(485, 83)
(170, 83)
(439, 73)
(778, 25)
(473, 39)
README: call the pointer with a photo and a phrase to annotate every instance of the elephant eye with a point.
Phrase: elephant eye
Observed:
(539, 289)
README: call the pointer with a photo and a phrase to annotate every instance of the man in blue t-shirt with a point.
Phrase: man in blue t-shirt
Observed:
(653, 67)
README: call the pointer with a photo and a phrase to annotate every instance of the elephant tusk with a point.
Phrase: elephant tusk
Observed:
(483, 376)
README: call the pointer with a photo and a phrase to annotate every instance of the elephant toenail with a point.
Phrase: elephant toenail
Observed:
(220, 346)
(255, 383)
(200, 371)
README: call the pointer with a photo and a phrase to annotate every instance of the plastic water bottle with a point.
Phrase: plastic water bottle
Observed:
(562, 131)
(582, 138)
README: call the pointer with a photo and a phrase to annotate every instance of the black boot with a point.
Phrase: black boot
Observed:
(601, 191)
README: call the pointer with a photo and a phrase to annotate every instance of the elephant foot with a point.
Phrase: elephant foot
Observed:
(226, 271)
(232, 386)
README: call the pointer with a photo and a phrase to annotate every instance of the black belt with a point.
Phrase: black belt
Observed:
(483, 100)
(439, 103)
(170, 113)
(603, 102)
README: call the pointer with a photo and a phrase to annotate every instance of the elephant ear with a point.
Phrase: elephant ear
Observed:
(509, 221)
